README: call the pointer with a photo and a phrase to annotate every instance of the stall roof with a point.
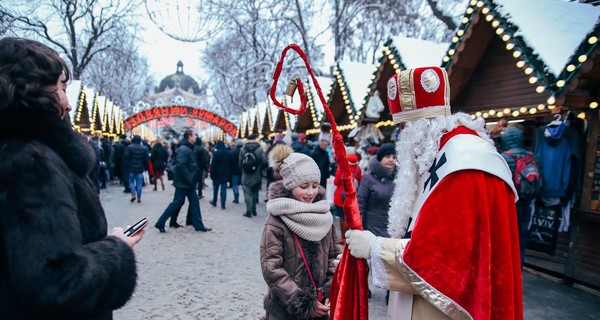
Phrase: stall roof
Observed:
(357, 77)
(553, 29)
(545, 34)
(416, 52)
(308, 122)
(73, 95)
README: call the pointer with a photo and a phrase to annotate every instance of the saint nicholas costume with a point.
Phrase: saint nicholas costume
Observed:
(456, 254)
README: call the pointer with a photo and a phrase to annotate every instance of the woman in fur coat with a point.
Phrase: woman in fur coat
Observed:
(57, 261)
(298, 233)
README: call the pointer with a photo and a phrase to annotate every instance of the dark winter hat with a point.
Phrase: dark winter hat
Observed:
(136, 139)
(384, 150)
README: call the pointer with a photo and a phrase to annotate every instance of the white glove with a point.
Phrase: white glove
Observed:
(359, 242)
(337, 260)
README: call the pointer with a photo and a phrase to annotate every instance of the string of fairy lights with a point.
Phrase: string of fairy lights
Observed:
(532, 67)
(109, 123)
(526, 60)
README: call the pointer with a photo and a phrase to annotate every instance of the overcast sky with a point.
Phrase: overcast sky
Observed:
(163, 52)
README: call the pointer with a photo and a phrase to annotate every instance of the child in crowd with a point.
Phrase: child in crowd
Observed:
(299, 244)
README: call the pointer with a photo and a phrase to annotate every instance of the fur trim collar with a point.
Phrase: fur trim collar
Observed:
(25, 125)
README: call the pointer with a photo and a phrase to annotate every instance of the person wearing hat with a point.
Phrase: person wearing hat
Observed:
(338, 195)
(454, 246)
(298, 245)
(376, 190)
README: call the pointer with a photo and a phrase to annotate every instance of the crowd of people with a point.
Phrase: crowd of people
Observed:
(438, 206)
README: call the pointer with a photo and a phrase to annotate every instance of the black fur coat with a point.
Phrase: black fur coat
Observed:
(291, 295)
(57, 261)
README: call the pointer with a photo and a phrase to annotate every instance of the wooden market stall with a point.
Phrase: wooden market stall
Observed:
(96, 118)
(347, 93)
(509, 61)
(310, 121)
(82, 115)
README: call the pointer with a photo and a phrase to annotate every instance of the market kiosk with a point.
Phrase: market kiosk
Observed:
(509, 63)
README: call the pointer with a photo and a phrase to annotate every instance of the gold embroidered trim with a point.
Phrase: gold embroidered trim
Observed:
(428, 112)
(407, 89)
(446, 88)
(433, 296)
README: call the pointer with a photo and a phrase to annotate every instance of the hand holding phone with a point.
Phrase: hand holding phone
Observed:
(136, 227)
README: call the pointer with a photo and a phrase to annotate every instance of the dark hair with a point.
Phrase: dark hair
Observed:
(187, 133)
(27, 69)
(252, 136)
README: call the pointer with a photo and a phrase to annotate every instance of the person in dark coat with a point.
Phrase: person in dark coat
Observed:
(58, 262)
(106, 147)
(321, 157)
(159, 157)
(184, 180)
(95, 174)
(512, 140)
(136, 156)
(376, 189)
(252, 180)
(236, 171)
(123, 165)
(299, 143)
(220, 172)
(203, 164)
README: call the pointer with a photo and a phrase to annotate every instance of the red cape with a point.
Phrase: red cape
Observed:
(465, 244)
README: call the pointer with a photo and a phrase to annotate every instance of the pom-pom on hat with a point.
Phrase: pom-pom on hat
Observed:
(419, 93)
(384, 150)
(295, 168)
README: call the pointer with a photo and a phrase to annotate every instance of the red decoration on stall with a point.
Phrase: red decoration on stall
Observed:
(349, 289)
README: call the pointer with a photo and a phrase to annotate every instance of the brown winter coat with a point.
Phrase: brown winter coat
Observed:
(290, 294)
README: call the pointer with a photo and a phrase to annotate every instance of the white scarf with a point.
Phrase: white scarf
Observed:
(310, 221)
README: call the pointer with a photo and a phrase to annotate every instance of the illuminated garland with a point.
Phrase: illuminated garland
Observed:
(529, 62)
(348, 103)
(390, 55)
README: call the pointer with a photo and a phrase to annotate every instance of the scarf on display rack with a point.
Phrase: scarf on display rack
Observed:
(310, 221)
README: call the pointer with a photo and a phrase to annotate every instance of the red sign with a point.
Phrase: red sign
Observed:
(181, 111)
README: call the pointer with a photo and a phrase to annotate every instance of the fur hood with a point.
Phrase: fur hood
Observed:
(277, 190)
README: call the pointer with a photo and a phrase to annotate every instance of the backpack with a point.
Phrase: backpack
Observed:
(249, 162)
(343, 194)
(527, 178)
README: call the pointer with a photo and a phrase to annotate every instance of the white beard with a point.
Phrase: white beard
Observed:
(416, 149)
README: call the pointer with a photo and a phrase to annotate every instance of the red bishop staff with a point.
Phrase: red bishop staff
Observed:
(349, 289)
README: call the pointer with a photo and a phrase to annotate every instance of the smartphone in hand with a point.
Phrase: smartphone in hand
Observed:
(136, 227)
